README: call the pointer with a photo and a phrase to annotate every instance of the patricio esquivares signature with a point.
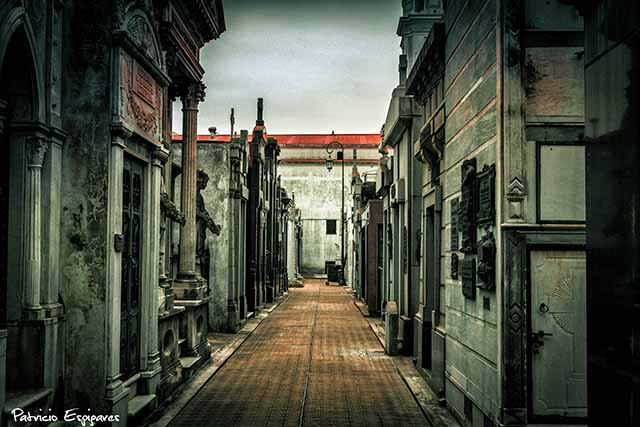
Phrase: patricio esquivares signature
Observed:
(70, 415)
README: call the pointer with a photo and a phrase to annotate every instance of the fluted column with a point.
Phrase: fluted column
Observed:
(191, 97)
(3, 118)
(36, 151)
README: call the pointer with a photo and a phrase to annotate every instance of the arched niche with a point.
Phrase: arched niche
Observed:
(19, 71)
(21, 92)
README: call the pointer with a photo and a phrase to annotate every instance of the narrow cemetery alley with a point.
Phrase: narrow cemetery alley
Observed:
(314, 359)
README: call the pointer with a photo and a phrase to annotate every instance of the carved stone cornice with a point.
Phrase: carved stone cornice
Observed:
(161, 155)
(429, 65)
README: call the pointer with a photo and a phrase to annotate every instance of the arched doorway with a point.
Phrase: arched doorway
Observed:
(18, 104)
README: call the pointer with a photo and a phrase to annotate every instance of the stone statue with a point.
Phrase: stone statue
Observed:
(203, 219)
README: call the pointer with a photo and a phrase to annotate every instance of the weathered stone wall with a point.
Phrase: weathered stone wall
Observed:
(318, 196)
(86, 73)
(213, 158)
(470, 131)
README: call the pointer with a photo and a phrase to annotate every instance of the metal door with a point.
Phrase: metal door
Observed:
(558, 333)
(132, 220)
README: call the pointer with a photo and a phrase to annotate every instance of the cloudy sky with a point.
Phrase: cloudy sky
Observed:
(320, 65)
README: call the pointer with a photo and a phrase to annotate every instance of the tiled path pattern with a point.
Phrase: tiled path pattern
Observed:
(314, 362)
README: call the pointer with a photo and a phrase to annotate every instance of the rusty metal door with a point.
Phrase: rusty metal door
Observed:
(132, 220)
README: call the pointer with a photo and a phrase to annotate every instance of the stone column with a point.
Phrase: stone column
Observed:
(37, 148)
(191, 97)
(3, 107)
(152, 373)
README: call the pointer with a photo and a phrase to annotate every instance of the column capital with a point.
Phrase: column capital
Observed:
(160, 156)
(191, 94)
(37, 150)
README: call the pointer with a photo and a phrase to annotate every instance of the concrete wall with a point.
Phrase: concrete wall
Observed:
(317, 194)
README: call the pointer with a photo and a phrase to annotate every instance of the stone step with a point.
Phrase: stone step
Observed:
(189, 362)
(140, 405)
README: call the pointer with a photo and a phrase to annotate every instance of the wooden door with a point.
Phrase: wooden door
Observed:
(132, 220)
(558, 333)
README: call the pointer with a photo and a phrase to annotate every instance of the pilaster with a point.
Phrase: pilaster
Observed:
(37, 149)
(115, 390)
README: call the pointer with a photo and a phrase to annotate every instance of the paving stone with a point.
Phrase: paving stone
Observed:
(315, 362)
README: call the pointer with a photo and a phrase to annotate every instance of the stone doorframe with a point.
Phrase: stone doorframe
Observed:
(518, 244)
(153, 156)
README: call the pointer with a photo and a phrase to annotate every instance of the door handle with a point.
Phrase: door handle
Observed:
(542, 334)
(537, 340)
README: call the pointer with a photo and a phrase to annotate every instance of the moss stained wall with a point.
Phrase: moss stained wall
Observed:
(86, 74)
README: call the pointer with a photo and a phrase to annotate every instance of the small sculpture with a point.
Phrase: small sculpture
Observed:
(203, 219)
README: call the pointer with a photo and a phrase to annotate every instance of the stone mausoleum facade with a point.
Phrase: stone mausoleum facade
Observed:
(90, 317)
(483, 186)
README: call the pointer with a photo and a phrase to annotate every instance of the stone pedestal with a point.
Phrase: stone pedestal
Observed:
(117, 401)
(233, 316)
(391, 329)
(197, 329)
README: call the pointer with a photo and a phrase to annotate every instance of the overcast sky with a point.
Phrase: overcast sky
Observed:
(320, 65)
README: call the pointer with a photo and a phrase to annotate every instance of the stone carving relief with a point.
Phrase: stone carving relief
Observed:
(141, 32)
(562, 291)
(140, 97)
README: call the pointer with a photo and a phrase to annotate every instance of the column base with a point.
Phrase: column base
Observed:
(192, 288)
(233, 316)
(117, 401)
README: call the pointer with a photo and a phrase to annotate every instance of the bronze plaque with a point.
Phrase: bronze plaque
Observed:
(486, 196)
(454, 225)
(469, 278)
(467, 206)
(454, 266)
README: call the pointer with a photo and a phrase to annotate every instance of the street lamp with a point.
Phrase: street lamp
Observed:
(330, 147)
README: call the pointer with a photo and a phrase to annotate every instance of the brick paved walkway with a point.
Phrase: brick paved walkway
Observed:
(315, 362)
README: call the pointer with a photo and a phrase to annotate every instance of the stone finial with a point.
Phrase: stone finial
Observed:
(260, 120)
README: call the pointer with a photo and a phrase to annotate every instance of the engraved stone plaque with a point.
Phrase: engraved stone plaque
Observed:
(454, 225)
(469, 278)
(486, 196)
(468, 206)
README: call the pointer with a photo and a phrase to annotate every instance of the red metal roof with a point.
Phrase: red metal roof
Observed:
(305, 140)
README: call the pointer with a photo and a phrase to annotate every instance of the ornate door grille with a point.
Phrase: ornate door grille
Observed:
(132, 215)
